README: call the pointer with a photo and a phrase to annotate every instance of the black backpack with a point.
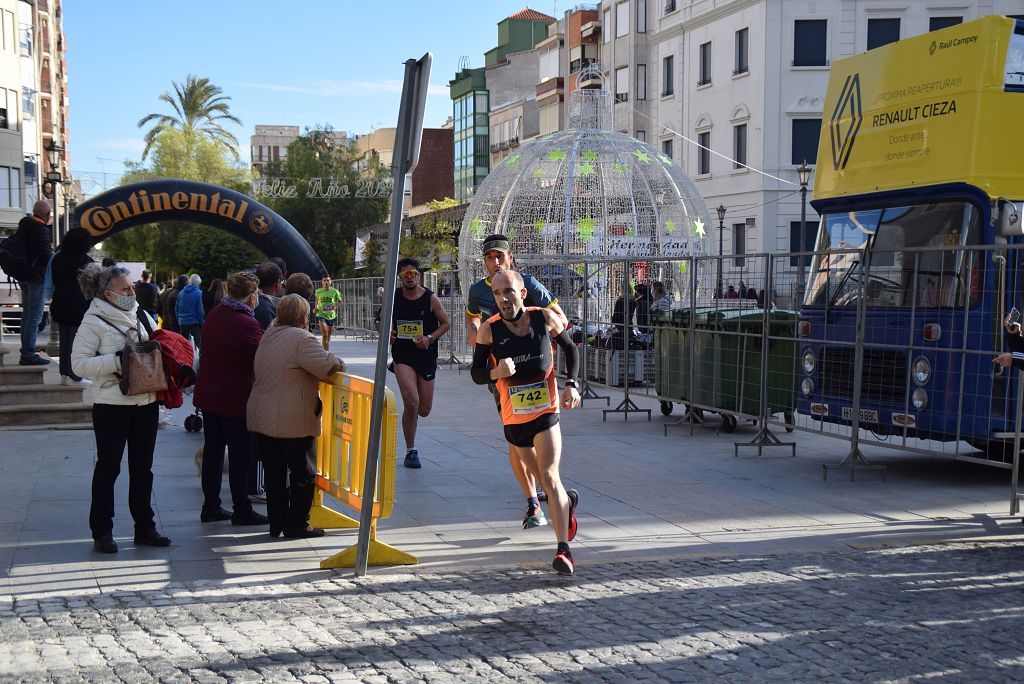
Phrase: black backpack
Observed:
(14, 256)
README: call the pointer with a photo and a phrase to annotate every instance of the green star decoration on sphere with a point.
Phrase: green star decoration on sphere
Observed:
(538, 174)
(586, 169)
(664, 160)
(620, 168)
(670, 227)
(513, 160)
(682, 268)
(556, 155)
(477, 226)
(590, 155)
(698, 227)
(631, 232)
(539, 224)
(511, 233)
(642, 156)
(585, 227)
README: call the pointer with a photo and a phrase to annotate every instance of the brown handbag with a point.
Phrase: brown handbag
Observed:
(142, 365)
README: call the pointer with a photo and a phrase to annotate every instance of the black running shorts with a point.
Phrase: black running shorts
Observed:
(522, 434)
(425, 365)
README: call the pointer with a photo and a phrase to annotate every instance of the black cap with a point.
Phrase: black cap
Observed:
(496, 243)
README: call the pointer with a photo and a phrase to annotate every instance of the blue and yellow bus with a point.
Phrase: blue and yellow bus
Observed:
(919, 185)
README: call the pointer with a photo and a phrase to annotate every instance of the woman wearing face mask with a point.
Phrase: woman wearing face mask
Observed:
(118, 420)
(229, 337)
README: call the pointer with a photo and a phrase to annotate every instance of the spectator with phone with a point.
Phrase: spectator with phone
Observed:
(1014, 340)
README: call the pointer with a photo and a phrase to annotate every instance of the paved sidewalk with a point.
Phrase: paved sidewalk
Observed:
(688, 560)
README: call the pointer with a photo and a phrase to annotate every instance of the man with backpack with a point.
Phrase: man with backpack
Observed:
(24, 257)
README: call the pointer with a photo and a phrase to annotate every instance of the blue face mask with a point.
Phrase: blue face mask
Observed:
(123, 302)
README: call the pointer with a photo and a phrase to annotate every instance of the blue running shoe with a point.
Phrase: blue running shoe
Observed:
(412, 459)
(534, 518)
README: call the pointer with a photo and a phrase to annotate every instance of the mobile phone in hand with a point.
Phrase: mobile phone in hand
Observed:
(1013, 318)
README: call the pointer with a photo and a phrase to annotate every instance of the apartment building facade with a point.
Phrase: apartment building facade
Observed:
(33, 112)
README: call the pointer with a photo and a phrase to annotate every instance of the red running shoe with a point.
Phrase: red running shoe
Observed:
(563, 563)
(574, 500)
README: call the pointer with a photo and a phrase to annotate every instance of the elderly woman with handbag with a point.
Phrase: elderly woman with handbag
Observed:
(119, 418)
(283, 413)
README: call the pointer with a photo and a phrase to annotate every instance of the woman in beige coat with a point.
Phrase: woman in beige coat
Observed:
(283, 413)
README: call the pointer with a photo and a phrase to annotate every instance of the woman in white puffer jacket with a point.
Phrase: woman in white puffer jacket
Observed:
(118, 420)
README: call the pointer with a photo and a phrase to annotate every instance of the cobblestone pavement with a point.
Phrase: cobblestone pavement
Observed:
(952, 612)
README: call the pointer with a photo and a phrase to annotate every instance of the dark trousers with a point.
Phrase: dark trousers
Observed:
(191, 331)
(221, 431)
(67, 341)
(284, 461)
(115, 426)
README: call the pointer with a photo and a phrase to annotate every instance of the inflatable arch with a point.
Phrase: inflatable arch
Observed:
(194, 202)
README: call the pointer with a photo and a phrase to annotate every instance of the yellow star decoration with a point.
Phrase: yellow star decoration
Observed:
(556, 155)
(698, 227)
(642, 156)
(590, 155)
(586, 169)
(670, 227)
(477, 226)
(586, 227)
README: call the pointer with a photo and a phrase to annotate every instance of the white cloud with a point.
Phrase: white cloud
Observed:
(343, 88)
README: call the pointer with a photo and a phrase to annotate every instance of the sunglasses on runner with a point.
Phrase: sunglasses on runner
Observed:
(409, 274)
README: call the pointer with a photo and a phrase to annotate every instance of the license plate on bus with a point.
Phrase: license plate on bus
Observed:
(866, 415)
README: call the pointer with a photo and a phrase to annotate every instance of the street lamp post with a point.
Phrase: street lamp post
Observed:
(804, 172)
(721, 232)
(54, 177)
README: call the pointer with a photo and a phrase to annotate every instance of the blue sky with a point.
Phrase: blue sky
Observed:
(299, 63)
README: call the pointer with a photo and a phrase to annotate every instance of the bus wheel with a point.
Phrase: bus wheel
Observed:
(666, 408)
(728, 423)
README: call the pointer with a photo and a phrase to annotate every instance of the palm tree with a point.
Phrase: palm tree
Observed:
(199, 106)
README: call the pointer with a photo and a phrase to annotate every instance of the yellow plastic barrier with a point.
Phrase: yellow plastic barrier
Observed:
(341, 465)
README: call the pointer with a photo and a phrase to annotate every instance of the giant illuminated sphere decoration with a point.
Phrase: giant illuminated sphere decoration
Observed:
(589, 192)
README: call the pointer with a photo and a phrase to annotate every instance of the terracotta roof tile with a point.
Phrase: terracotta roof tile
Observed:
(531, 15)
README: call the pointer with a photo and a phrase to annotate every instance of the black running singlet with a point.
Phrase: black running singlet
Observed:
(412, 318)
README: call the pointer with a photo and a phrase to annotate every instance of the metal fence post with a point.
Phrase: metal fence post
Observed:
(855, 460)
(586, 391)
(764, 437)
(627, 405)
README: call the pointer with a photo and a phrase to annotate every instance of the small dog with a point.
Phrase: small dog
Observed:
(198, 458)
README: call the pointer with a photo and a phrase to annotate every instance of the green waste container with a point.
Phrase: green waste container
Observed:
(727, 359)
(741, 360)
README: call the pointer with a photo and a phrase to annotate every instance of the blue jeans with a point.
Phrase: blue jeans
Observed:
(31, 314)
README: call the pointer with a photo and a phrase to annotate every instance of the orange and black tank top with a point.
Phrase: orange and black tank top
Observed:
(531, 391)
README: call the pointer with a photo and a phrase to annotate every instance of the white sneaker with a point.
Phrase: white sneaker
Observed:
(66, 380)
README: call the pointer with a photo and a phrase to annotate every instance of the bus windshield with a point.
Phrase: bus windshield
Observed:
(898, 268)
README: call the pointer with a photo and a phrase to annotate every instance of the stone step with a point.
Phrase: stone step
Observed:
(22, 375)
(15, 395)
(46, 427)
(40, 414)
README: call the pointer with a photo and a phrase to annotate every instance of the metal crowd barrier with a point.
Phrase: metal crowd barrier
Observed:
(341, 465)
(739, 356)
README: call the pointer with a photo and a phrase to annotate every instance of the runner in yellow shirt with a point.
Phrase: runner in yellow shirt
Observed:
(328, 299)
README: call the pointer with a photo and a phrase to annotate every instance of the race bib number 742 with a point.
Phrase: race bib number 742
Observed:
(531, 398)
